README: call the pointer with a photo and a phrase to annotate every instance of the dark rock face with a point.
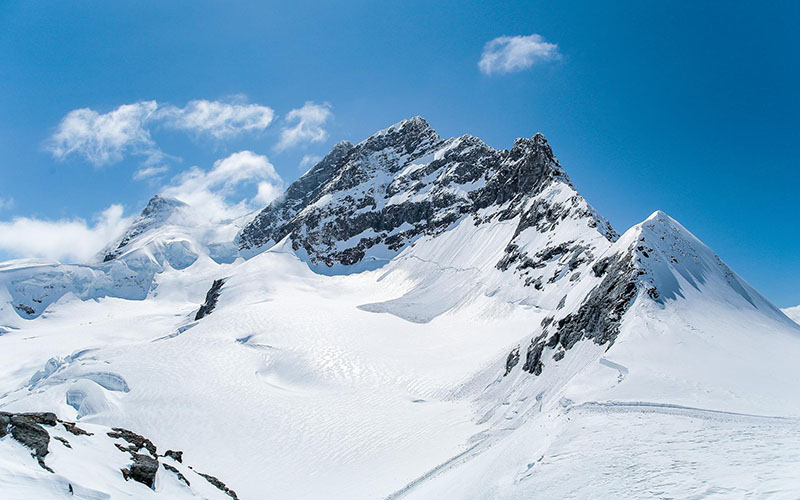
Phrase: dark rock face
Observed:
(144, 466)
(143, 470)
(212, 296)
(266, 226)
(74, 429)
(598, 317)
(219, 485)
(25, 308)
(29, 429)
(31, 434)
(533, 359)
(405, 182)
(62, 441)
(177, 473)
(26, 429)
(43, 418)
(136, 442)
(512, 360)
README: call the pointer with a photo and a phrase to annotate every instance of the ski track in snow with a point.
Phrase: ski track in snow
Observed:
(687, 411)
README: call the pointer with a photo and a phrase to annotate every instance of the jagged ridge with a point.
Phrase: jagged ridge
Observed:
(404, 182)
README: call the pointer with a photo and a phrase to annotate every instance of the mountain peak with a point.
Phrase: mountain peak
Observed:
(406, 136)
(672, 262)
(526, 145)
(660, 215)
(160, 204)
(156, 213)
(341, 146)
(415, 121)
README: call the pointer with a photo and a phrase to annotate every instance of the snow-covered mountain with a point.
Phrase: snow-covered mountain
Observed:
(416, 317)
(167, 235)
(793, 312)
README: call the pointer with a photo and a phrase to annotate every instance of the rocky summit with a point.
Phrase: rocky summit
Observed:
(369, 201)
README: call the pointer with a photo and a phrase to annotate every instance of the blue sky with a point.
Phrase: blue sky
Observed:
(687, 107)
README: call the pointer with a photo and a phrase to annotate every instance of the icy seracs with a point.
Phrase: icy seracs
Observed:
(416, 317)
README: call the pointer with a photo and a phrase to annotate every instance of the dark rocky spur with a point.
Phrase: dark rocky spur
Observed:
(31, 430)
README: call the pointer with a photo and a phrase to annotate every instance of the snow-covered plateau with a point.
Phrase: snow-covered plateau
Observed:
(416, 318)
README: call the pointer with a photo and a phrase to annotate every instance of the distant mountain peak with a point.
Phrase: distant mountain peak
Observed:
(156, 213)
(160, 204)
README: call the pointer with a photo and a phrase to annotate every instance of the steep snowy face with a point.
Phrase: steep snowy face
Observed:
(171, 232)
(157, 212)
(405, 182)
(265, 227)
(657, 262)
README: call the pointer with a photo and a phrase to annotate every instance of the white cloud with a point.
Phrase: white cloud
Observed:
(105, 139)
(218, 119)
(509, 54)
(71, 240)
(218, 192)
(305, 125)
(6, 203)
(267, 193)
(147, 172)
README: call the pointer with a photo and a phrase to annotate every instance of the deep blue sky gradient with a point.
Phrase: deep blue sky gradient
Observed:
(688, 107)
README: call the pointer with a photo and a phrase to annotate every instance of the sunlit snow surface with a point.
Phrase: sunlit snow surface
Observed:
(389, 383)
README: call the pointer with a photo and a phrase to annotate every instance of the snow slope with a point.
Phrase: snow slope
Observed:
(693, 399)
(508, 345)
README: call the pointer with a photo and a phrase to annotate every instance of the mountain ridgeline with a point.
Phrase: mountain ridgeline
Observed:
(369, 201)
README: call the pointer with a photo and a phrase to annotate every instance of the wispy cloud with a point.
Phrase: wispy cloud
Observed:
(232, 187)
(305, 124)
(106, 138)
(70, 240)
(146, 172)
(6, 203)
(217, 119)
(510, 54)
(218, 192)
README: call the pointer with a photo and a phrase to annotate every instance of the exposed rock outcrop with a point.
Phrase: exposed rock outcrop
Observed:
(212, 296)
(34, 430)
